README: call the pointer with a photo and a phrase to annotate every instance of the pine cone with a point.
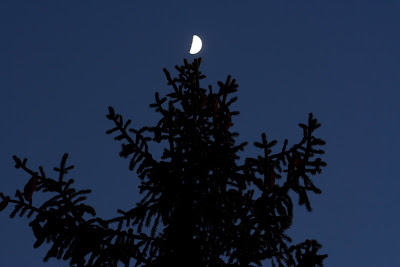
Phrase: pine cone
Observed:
(30, 188)
(271, 180)
(213, 102)
(228, 122)
(203, 101)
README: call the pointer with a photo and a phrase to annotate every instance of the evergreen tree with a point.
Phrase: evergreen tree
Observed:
(197, 191)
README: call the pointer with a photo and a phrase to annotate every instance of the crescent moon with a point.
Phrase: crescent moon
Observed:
(196, 45)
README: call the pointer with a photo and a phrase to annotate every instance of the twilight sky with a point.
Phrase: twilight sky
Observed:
(63, 63)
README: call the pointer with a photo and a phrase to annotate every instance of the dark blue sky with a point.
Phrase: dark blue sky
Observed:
(62, 64)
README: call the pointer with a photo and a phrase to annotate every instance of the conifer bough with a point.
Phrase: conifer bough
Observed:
(204, 202)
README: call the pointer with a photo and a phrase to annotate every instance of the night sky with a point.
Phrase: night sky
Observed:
(63, 63)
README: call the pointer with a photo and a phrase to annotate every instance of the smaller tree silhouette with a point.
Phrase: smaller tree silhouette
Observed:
(200, 195)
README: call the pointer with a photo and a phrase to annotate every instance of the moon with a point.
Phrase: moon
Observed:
(196, 45)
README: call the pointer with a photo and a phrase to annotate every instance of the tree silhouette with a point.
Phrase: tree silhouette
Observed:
(197, 192)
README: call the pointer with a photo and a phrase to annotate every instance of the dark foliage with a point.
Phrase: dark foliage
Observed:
(196, 192)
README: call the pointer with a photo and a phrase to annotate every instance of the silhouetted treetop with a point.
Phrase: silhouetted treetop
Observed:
(199, 206)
